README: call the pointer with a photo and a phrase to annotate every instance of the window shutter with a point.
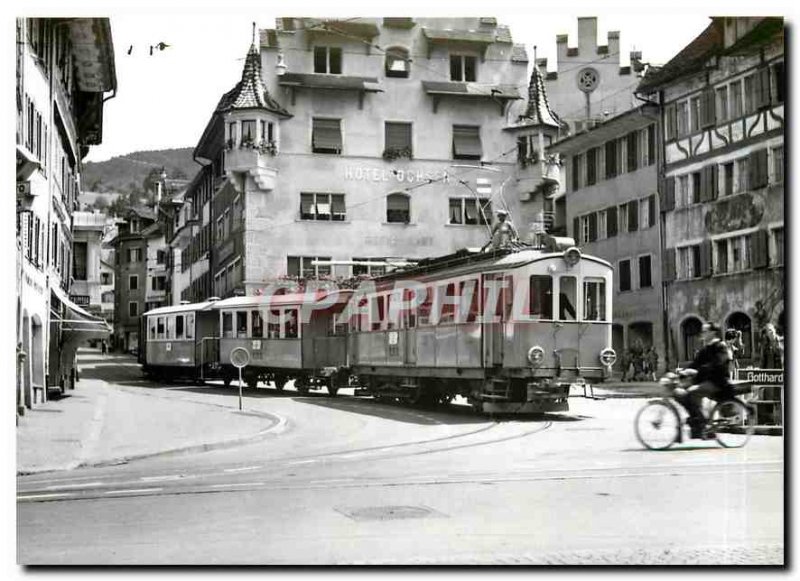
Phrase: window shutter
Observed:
(398, 135)
(633, 215)
(611, 221)
(668, 195)
(708, 109)
(651, 211)
(705, 258)
(576, 232)
(709, 192)
(757, 168)
(760, 246)
(467, 142)
(592, 218)
(327, 134)
(668, 273)
(762, 88)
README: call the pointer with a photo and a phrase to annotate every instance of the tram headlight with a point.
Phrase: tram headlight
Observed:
(608, 357)
(536, 355)
(572, 256)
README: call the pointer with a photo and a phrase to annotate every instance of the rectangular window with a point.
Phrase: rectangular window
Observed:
(633, 215)
(326, 136)
(567, 298)
(328, 59)
(611, 159)
(368, 269)
(79, 257)
(611, 221)
(105, 278)
(241, 324)
(190, 326)
(248, 131)
(645, 272)
(179, 329)
(397, 138)
(463, 68)
(670, 122)
(727, 173)
(161, 330)
(151, 328)
(736, 107)
(594, 299)
(624, 275)
(541, 297)
(742, 173)
(467, 142)
(324, 207)
(258, 324)
(694, 111)
(633, 150)
(470, 211)
(689, 262)
(777, 241)
(133, 309)
(133, 282)
(651, 144)
(777, 165)
(576, 171)
(622, 222)
(592, 157)
(302, 266)
(134, 254)
(683, 118)
(159, 283)
(721, 100)
(602, 226)
(290, 327)
(695, 196)
(227, 325)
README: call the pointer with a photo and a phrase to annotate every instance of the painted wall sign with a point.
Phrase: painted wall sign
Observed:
(394, 241)
(400, 176)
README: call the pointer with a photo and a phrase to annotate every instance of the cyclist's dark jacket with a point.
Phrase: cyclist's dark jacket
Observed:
(712, 364)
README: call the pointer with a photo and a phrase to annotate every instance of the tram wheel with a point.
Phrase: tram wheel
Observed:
(252, 382)
(280, 382)
(301, 386)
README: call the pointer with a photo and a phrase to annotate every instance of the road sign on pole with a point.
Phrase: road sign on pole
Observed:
(240, 357)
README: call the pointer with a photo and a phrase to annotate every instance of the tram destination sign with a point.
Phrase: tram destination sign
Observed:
(762, 376)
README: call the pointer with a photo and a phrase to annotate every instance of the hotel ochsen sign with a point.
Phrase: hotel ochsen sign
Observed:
(400, 176)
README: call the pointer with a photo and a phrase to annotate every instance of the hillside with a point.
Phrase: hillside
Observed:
(126, 173)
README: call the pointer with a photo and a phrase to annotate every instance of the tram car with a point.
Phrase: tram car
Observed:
(289, 337)
(510, 330)
(180, 342)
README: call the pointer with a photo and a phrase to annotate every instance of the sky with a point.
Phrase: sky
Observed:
(165, 100)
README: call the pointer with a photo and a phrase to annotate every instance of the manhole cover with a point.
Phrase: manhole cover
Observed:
(387, 512)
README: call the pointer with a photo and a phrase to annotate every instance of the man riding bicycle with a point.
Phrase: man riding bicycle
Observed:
(713, 379)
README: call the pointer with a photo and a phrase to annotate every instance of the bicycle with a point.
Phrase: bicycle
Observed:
(659, 423)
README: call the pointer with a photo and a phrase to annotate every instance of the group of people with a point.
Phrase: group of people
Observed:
(639, 363)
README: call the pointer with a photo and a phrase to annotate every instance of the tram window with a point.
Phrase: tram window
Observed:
(258, 324)
(241, 324)
(446, 295)
(425, 308)
(468, 306)
(567, 297)
(409, 312)
(392, 317)
(273, 324)
(160, 328)
(190, 326)
(594, 299)
(170, 327)
(377, 312)
(152, 332)
(179, 326)
(227, 325)
(541, 297)
(291, 324)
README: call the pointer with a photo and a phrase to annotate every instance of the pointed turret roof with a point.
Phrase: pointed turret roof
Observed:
(250, 92)
(538, 111)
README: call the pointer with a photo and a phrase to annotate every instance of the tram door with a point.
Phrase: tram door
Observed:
(495, 296)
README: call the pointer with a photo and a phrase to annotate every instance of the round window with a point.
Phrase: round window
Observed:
(588, 79)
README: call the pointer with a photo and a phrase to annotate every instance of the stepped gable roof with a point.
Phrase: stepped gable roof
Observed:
(538, 111)
(250, 92)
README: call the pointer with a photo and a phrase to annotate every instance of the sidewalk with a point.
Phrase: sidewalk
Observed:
(101, 422)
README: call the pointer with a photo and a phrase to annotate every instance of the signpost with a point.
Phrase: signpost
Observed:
(240, 357)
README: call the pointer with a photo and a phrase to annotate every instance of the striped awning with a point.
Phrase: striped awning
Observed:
(327, 134)
(467, 141)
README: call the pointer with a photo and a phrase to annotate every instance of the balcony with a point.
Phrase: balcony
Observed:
(254, 161)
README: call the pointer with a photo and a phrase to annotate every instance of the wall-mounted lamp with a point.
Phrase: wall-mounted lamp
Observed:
(280, 66)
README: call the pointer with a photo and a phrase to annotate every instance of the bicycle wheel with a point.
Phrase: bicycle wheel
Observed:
(732, 423)
(657, 425)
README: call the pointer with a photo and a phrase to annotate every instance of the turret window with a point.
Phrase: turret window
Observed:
(248, 131)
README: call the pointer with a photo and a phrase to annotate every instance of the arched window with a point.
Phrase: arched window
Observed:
(690, 336)
(398, 208)
(741, 322)
(397, 62)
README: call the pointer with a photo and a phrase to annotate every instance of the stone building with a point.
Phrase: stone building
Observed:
(64, 68)
(354, 141)
(612, 201)
(589, 84)
(722, 201)
(91, 278)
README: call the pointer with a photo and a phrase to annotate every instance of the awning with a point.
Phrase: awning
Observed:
(78, 322)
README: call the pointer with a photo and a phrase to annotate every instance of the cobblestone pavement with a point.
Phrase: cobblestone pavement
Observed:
(728, 555)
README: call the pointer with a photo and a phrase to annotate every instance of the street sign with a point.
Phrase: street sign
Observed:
(240, 357)
(761, 376)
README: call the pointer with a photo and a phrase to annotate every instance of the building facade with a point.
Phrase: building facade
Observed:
(612, 200)
(64, 69)
(354, 154)
(589, 84)
(723, 118)
(90, 277)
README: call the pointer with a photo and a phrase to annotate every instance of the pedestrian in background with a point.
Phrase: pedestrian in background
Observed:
(652, 362)
(103, 347)
(625, 364)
